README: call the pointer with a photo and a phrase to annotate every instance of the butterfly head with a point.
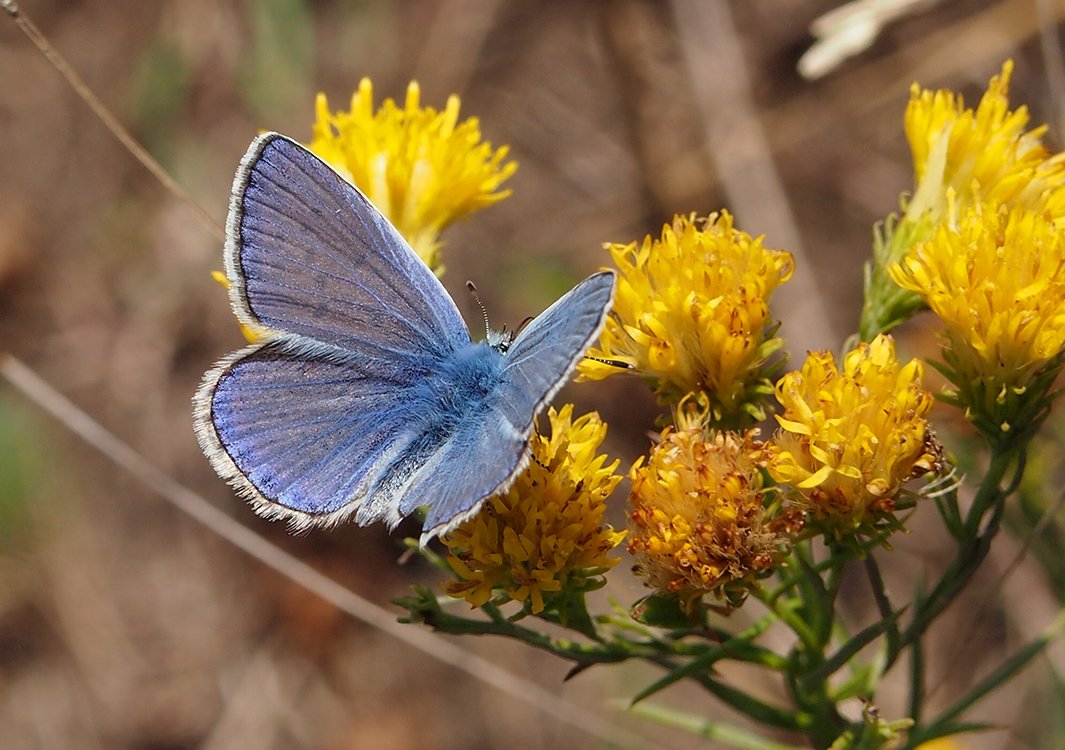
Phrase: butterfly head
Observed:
(500, 340)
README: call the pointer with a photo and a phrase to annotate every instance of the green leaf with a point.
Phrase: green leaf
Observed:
(862, 682)
(829, 666)
(919, 737)
(947, 505)
(699, 665)
(569, 608)
(917, 677)
(740, 648)
(737, 649)
(757, 710)
(725, 734)
(883, 601)
(422, 607)
(1004, 672)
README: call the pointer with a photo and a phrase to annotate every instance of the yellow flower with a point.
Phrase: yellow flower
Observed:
(691, 314)
(546, 533)
(942, 743)
(961, 158)
(849, 439)
(698, 518)
(982, 155)
(997, 280)
(422, 168)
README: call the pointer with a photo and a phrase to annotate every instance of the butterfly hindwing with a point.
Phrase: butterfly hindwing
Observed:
(300, 433)
(477, 461)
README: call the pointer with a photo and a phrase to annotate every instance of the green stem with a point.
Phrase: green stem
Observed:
(661, 653)
(991, 492)
(916, 680)
(813, 699)
(785, 612)
(985, 514)
(810, 613)
(582, 653)
(883, 601)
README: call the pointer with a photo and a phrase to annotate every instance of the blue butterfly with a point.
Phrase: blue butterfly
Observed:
(366, 396)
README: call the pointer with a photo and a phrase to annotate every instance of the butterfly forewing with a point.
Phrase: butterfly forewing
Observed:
(307, 253)
(305, 424)
(540, 360)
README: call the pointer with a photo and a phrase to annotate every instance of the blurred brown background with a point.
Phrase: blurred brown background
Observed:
(125, 625)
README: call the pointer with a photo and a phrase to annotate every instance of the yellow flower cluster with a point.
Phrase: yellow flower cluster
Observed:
(962, 159)
(699, 520)
(850, 438)
(545, 533)
(997, 281)
(988, 256)
(422, 168)
(984, 155)
(691, 314)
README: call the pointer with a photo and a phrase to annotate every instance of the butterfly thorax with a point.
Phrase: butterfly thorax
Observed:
(461, 385)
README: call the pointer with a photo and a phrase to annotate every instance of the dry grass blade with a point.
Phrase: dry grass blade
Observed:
(744, 157)
(27, 382)
(117, 129)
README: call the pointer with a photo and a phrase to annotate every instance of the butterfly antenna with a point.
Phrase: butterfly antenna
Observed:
(521, 328)
(612, 362)
(537, 461)
(473, 290)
